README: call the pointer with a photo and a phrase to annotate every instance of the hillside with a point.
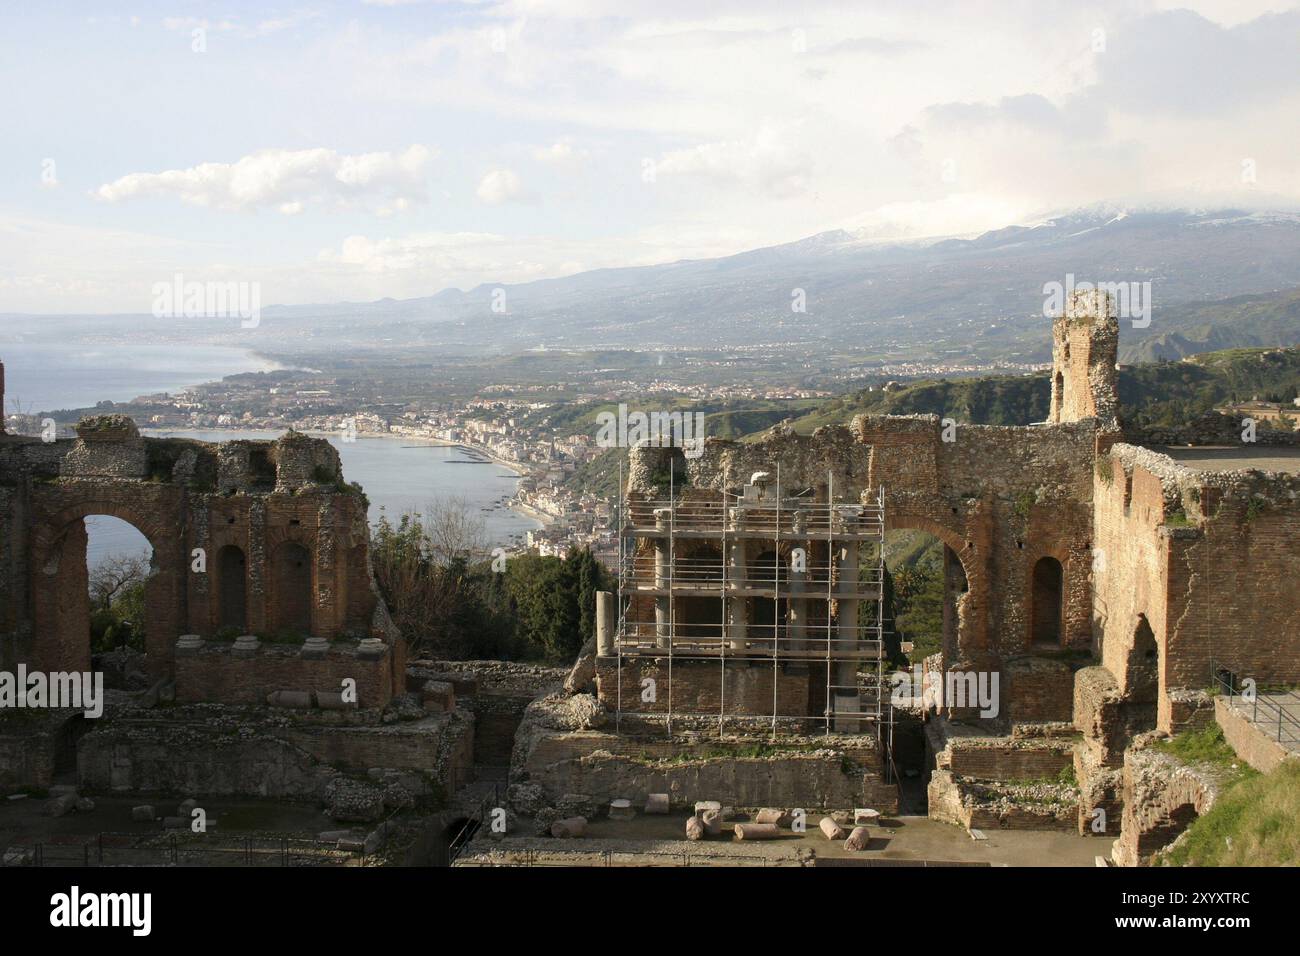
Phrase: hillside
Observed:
(1243, 321)
(1156, 393)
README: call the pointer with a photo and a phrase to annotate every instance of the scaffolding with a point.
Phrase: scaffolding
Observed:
(754, 578)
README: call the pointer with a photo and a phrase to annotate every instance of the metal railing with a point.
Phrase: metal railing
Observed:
(1265, 713)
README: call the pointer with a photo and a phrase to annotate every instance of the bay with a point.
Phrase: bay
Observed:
(49, 376)
(398, 475)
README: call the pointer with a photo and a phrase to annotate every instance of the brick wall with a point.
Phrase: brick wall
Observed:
(215, 675)
(1041, 762)
(699, 687)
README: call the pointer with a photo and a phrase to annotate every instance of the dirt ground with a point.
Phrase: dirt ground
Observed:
(899, 840)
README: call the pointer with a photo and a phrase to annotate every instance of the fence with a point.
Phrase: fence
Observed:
(1265, 711)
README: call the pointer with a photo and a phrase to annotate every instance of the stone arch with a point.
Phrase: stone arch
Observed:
(962, 637)
(231, 590)
(60, 596)
(1047, 602)
(1142, 668)
(292, 587)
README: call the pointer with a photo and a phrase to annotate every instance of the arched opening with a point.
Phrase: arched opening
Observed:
(119, 547)
(232, 593)
(102, 572)
(291, 577)
(923, 591)
(1143, 678)
(924, 584)
(1047, 591)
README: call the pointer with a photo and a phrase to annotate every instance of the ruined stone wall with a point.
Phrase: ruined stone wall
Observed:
(1208, 560)
(1254, 743)
(605, 767)
(497, 693)
(1161, 797)
(194, 502)
(702, 687)
(216, 673)
(250, 753)
(1085, 347)
(1000, 498)
(1131, 573)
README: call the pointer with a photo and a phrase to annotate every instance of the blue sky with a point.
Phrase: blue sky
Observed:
(353, 150)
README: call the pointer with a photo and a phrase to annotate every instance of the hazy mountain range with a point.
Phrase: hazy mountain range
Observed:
(1217, 279)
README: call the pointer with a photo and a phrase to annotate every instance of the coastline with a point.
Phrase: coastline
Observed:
(109, 382)
(514, 504)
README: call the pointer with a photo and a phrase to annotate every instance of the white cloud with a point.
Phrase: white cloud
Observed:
(560, 153)
(234, 26)
(499, 186)
(772, 162)
(422, 263)
(287, 179)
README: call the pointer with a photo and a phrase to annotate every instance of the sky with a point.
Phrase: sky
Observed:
(350, 150)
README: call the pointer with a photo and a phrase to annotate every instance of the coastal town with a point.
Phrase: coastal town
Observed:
(493, 429)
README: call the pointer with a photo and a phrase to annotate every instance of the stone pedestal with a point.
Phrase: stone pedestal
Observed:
(188, 645)
(245, 646)
(316, 648)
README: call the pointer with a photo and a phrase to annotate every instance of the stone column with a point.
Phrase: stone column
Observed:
(606, 622)
(737, 577)
(846, 671)
(663, 609)
(798, 619)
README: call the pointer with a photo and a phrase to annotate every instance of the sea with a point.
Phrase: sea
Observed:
(399, 475)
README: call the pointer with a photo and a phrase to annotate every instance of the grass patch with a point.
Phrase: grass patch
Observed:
(1256, 822)
(1203, 747)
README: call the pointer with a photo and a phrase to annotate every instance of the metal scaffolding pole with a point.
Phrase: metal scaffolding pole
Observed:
(776, 601)
(672, 600)
(722, 648)
(830, 562)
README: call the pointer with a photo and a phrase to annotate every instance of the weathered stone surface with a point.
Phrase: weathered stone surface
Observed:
(695, 829)
(350, 800)
(581, 678)
(831, 829)
(569, 827)
(657, 803)
(858, 840)
(757, 831)
(143, 814)
(61, 805)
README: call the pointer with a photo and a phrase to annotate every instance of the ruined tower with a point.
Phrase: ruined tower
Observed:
(1085, 347)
